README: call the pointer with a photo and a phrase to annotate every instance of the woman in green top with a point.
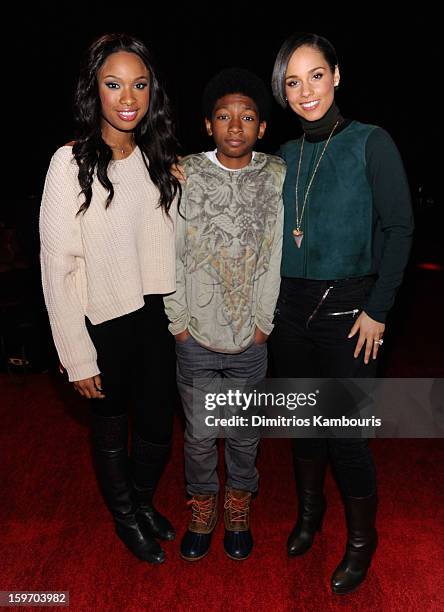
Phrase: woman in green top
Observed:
(347, 235)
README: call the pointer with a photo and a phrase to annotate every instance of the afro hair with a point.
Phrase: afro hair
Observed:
(236, 80)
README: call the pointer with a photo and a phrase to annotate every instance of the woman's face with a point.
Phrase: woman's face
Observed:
(310, 83)
(123, 82)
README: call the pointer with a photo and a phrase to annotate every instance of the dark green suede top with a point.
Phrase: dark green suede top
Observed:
(358, 218)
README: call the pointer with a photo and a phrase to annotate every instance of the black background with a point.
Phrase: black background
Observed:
(390, 72)
(391, 75)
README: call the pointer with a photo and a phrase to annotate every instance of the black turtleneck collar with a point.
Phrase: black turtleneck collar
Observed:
(316, 131)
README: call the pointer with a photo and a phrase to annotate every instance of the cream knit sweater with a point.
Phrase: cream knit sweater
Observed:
(100, 264)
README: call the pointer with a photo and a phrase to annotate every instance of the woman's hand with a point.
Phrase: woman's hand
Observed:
(182, 336)
(370, 334)
(259, 336)
(177, 171)
(90, 387)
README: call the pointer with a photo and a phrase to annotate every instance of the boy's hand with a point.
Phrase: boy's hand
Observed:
(260, 337)
(182, 336)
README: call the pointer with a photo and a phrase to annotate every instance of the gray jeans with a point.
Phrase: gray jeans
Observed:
(195, 361)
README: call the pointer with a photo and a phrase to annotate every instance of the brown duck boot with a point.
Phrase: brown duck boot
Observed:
(197, 539)
(238, 542)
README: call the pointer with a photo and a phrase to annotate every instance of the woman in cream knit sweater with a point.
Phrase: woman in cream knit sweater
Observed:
(107, 254)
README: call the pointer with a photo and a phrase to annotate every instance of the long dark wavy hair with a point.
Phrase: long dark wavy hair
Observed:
(154, 134)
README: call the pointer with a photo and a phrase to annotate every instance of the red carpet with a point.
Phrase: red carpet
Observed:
(56, 533)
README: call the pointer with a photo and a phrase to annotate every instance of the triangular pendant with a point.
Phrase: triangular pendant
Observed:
(298, 239)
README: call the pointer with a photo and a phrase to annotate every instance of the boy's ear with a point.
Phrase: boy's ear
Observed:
(208, 126)
(262, 128)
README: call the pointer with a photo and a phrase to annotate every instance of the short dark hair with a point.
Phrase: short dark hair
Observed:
(293, 42)
(237, 80)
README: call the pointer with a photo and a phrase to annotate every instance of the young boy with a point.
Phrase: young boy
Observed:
(228, 276)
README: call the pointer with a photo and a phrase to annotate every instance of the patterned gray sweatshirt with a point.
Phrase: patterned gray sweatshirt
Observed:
(228, 251)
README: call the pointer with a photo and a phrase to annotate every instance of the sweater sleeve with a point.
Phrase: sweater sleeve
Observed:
(392, 205)
(61, 263)
(270, 290)
(176, 303)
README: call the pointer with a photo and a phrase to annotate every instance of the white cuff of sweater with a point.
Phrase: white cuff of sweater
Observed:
(264, 325)
(178, 326)
(82, 371)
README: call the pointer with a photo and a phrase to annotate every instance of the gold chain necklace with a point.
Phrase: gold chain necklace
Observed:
(298, 234)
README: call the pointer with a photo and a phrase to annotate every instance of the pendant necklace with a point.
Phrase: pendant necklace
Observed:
(121, 149)
(298, 234)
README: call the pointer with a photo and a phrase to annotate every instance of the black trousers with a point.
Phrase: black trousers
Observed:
(313, 320)
(136, 357)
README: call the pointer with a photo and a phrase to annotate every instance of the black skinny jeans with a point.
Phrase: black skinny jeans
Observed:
(313, 320)
(136, 358)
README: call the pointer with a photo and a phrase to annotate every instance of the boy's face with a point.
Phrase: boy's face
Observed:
(235, 127)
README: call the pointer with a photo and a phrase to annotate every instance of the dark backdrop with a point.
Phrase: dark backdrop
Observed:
(390, 72)
(391, 75)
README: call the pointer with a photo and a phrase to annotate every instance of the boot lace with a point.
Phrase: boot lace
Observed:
(201, 510)
(238, 508)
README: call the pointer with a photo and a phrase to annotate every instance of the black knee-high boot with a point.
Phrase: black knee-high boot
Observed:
(362, 540)
(110, 448)
(310, 475)
(147, 463)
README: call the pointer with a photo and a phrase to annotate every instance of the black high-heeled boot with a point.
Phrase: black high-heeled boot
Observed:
(361, 544)
(109, 438)
(310, 474)
(147, 463)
